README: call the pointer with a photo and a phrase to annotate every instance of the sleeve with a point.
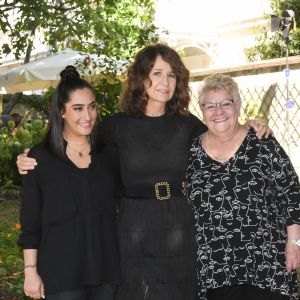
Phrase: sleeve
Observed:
(109, 135)
(286, 182)
(30, 212)
(191, 171)
(188, 171)
(198, 127)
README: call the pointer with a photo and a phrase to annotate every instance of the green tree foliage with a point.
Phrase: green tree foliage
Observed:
(272, 45)
(13, 141)
(114, 28)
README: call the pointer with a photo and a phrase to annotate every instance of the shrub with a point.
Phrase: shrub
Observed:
(11, 258)
(13, 141)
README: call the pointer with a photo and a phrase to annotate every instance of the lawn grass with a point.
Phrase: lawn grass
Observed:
(11, 262)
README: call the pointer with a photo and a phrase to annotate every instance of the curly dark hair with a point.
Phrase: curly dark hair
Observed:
(133, 99)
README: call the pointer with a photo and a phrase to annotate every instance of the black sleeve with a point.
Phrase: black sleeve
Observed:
(109, 132)
(30, 212)
(198, 127)
(286, 182)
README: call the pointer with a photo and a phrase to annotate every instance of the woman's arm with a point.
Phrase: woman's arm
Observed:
(287, 191)
(29, 240)
(30, 212)
(33, 284)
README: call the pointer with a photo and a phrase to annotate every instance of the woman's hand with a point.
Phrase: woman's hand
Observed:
(25, 163)
(292, 256)
(261, 128)
(33, 285)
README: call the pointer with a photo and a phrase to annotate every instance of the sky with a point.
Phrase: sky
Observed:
(204, 16)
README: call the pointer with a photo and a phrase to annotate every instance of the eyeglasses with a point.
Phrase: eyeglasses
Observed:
(224, 104)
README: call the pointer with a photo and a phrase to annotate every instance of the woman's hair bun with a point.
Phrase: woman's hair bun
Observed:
(69, 72)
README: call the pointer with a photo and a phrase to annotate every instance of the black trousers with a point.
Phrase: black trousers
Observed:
(243, 292)
(102, 292)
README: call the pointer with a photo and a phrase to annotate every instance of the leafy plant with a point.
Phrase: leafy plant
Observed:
(271, 45)
(13, 141)
(11, 262)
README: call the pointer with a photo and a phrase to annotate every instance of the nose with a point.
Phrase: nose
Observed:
(87, 114)
(218, 108)
(165, 80)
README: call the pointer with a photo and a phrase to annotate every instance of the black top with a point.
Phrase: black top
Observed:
(242, 210)
(151, 149)
(68, 214)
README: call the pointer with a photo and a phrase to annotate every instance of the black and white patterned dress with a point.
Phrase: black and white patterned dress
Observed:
(242, 210)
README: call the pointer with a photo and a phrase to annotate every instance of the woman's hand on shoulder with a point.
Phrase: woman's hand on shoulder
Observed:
(25, 163)
(261, 128)
(33, 285)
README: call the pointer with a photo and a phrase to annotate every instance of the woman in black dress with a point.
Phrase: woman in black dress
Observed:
(149, 144)
(151, 138)
(68, 212)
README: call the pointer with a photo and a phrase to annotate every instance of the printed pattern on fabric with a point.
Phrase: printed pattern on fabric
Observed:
(242, 210)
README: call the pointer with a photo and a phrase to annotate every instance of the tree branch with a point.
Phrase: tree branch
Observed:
(6, 4)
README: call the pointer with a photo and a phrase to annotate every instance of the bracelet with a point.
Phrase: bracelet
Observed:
(30, 266)
(294, 242)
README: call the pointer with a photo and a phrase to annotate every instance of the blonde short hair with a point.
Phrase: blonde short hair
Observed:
(216, 82)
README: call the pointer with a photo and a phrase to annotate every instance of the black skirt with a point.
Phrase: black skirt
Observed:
(158, 249)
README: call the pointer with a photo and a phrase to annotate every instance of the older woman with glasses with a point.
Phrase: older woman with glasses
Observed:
(246, 198)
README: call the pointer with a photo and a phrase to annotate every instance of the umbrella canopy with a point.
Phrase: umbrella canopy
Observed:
(44, 73)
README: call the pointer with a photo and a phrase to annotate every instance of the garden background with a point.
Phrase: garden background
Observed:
(117, 29)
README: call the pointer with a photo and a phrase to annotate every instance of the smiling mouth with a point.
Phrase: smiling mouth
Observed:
(85, 124)
(220, 120)
(163, 91)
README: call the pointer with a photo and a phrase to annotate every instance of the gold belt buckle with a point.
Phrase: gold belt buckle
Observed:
(157, 190)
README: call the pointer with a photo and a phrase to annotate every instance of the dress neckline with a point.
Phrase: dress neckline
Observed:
(230, 158)
(84, 169)
(155, 117)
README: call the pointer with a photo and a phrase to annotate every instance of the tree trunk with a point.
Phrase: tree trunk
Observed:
(11, 103)
(17, 96)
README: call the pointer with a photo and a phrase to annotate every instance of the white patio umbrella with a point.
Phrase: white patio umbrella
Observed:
(44, 73)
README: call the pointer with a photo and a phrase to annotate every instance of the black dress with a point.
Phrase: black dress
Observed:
(68, 214)
(156, 238)
(242, 209)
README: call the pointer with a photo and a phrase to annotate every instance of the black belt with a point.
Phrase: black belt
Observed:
(162, 190)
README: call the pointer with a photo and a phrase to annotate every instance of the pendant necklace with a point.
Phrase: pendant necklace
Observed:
(80, 152)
